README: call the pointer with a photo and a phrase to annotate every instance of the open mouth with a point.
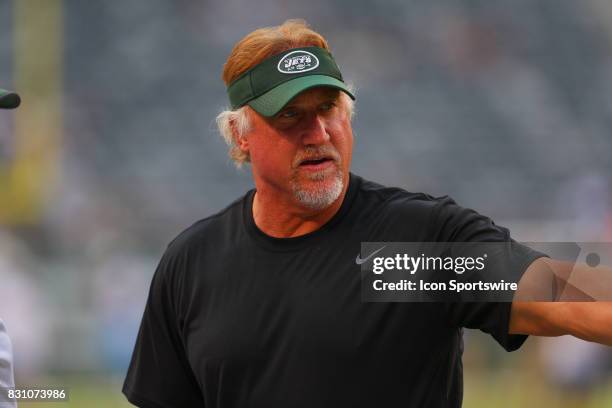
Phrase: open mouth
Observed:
(315, 162)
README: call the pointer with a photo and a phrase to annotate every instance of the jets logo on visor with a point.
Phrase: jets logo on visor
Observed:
(269, 85)
(297, 62)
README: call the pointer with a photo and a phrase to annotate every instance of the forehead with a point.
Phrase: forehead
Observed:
(314, 95)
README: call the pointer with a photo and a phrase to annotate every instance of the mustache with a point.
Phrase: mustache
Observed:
(314, 153)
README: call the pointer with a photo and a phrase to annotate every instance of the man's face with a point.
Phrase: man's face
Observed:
(305, 150)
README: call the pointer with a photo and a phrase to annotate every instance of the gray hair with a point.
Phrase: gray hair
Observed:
(242, 125)
(240, 121)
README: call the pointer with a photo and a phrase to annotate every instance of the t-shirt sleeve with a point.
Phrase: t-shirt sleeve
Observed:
(6, 369)
(159, 375)
(459, 224)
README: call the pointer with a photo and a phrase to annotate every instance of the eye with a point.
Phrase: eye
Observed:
(287, 113)
(327, 106)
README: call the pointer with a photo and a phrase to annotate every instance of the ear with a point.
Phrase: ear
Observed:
(241, 140)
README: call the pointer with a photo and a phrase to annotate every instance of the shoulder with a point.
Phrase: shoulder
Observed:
(208, 233)
(399, 199)
(185, 255)
(432, 217)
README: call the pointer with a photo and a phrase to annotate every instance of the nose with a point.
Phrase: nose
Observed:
(314, 131)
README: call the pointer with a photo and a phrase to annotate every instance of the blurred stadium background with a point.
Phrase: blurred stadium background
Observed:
(506, 106)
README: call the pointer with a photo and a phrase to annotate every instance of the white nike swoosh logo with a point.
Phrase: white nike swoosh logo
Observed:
(359, 260)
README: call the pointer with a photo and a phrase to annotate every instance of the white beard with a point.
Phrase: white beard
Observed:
(322, 195)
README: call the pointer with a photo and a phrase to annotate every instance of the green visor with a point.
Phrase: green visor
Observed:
(9, 100)
(271, 84)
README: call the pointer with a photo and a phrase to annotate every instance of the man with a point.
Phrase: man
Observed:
(260, 305)
(8, 100)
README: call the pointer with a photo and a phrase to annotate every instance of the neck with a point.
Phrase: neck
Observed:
(285, 218)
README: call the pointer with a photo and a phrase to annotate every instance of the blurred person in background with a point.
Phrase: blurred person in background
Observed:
(260, 304)
(8, 100)
(6, 367)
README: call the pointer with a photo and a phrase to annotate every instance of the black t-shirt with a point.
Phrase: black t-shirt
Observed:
(236, 318)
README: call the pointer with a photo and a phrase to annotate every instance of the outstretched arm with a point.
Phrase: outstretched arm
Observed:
(579, 303)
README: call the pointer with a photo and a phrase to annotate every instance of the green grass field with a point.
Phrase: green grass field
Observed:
(501, 390)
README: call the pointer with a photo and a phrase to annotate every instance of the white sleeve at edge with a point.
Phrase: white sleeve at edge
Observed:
(6, 366)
